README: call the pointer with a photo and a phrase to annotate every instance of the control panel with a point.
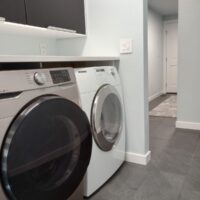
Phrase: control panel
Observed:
(21, 80)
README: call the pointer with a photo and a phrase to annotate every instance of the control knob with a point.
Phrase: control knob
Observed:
(39, 78)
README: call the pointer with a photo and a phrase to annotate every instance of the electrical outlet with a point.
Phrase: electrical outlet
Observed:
(43, 48)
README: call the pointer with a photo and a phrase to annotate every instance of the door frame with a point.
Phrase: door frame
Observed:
(165, 53)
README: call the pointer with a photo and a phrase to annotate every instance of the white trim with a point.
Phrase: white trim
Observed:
(151, 98)
(39, 58)
(138, 158)
(28, 30)
(164, 60)
(86, 16)
(188, 125)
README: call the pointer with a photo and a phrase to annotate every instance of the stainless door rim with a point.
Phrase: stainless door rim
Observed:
(98, 134)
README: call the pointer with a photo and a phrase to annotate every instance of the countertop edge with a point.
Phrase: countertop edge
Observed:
(35, 58)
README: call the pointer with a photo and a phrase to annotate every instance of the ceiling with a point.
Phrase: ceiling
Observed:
(165, 7)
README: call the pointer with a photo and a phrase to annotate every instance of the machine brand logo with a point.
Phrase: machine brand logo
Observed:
(82, 71)
(100, 70)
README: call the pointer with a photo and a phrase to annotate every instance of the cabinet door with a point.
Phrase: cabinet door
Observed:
(13, 10)
(67, 14)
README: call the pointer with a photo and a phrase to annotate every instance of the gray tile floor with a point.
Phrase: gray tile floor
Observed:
(172, 174)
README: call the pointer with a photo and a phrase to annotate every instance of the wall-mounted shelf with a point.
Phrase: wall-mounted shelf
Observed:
(21, 29)
(36, 58)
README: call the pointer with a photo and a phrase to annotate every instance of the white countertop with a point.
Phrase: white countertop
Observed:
(36, 58)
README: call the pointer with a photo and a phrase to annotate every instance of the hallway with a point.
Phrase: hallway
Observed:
(172, 174)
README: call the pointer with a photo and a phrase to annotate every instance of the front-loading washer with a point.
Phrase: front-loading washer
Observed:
(45, 137)
(102, 100)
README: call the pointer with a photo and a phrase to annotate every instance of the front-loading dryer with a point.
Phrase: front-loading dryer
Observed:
(102, 99)
(45, 137)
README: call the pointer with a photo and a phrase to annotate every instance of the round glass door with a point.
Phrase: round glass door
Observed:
(106, 117)
(46, 151)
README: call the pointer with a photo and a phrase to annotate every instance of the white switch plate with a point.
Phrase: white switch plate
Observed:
(126, 46)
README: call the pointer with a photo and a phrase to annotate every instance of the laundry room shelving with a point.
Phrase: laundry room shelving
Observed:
(27, 30)
(38, 58)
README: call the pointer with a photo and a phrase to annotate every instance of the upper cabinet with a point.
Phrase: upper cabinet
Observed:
(68, 14)
(13, 11)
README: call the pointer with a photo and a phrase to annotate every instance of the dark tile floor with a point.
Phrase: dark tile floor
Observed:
(172, 174)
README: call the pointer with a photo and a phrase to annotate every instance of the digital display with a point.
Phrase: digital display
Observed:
(60, 76)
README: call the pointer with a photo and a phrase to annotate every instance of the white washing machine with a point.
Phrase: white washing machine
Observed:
(45, 137)
(102, 100)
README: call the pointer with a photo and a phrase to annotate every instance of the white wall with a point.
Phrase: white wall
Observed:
(107, 22)
(15, 44)
(189, 63)
(155, 50)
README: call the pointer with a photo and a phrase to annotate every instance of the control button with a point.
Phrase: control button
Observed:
(39, 78)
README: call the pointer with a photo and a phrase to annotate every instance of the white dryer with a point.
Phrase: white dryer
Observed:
(102, 99)
(45, 137)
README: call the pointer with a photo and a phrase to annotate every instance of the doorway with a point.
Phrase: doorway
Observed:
(170, 56)
(162, 62)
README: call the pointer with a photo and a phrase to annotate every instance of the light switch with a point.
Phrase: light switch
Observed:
(126, 46)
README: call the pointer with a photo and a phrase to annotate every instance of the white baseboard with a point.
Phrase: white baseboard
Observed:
(151, 98)
(138, 158)
(188, 125)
